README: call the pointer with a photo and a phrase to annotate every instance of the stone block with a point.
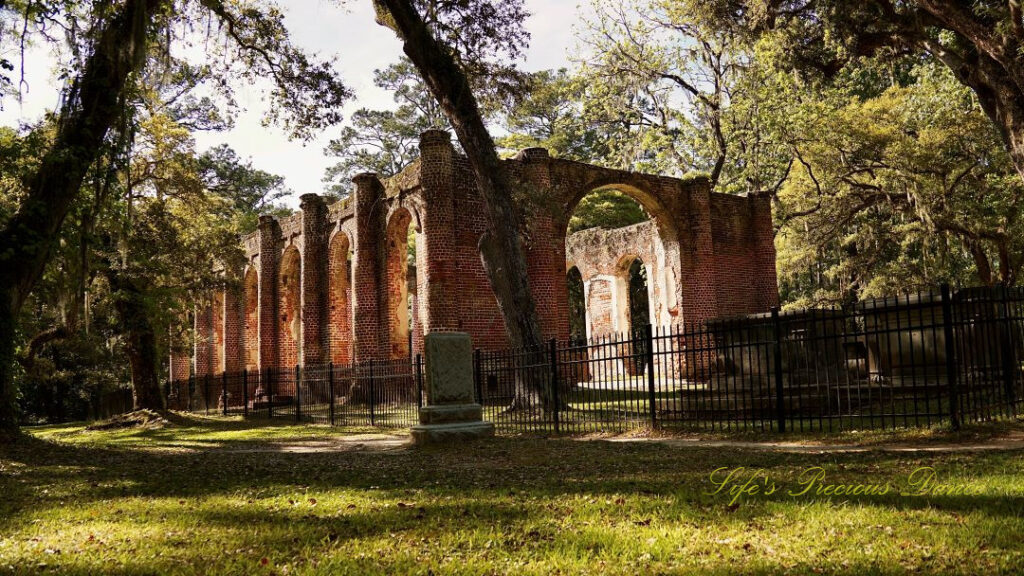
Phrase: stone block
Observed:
(448, 413)
(450, 433)
(449, 368)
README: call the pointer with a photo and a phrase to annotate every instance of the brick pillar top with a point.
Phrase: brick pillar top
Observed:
(367, 184)
(266, 221)
(310, 200)
(434, 136)
(533, 154)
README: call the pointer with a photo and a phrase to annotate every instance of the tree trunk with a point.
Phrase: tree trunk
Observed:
(140, 341)
(8, 396)
(500, 247)
(89, 110)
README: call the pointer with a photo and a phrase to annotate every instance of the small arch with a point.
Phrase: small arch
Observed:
(577, 305)
(290, 308)
(339, 300)
(252, 319)
(401, 240)
(217, 318)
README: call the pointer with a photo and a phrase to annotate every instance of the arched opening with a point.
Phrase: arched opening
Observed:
(340, 299)
(637, 296)
(404, 328)
(637, 311)
(623, 294)
(577, 306)
(252, 320)
(217, 317)
(289, 309)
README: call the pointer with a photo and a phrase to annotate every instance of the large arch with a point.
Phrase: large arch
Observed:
(251, 336)
(665, 270)
(290, 309)
(340, 299)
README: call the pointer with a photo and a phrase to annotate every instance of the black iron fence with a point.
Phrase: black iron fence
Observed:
(382, 394)
(915, 360)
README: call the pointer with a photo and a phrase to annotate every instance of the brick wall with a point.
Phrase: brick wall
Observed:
(332, 282)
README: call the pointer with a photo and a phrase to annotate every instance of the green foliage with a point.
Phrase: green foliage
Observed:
(249, 191)
(156, 225)
(606, 208)
(906, 189)
(384, 141)
(549, 115)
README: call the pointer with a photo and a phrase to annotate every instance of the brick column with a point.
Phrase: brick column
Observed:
(314, 280)
(437, 279)
(367, 255)
(270, 238)
(763, 236)
(545, 260)
(700, 299)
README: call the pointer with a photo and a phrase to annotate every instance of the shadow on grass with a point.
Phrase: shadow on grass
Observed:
(530, 488)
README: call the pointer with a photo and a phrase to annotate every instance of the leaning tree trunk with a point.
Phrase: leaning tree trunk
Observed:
(500, 247)
(88, 112)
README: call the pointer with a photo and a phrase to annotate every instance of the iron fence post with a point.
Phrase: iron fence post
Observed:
(298, 397)
(191, 390)
(419, 381)
(951, 368)
(373, 395)
(245, 392)
(478, 377)
(780, 410)
(206, 393)
(224, 393)
(270, 394)
(553, 359)
(330, 390)
(649, 341)
(1010, 366)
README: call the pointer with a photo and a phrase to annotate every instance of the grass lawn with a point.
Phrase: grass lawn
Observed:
(208, 496)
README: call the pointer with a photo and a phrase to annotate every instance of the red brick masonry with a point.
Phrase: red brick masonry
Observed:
(329, 283)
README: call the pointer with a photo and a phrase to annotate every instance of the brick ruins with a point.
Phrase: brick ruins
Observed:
(332, 284)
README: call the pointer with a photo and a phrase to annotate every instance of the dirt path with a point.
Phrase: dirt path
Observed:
(396, 443)
(354, 443)
(1011, 441)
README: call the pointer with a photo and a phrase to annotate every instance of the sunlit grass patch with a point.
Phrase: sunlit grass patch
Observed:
(127, 501)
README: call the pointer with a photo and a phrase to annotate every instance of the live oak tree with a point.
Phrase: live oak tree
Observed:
(907, 188)
(980, 42)
(110, 44)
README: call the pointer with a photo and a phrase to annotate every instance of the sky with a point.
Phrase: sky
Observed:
(346, 34)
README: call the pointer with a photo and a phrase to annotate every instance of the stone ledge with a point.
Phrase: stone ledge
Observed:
(449, 433)
(451, 413)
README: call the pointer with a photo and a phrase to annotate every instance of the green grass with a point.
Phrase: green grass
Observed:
(209, 496)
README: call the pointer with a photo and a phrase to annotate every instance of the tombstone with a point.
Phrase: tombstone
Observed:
(450, 413)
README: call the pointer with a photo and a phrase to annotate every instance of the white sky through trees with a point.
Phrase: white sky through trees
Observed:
(349, 34)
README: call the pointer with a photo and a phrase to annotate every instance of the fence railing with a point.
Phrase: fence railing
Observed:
(915, 360)
(381, 393)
